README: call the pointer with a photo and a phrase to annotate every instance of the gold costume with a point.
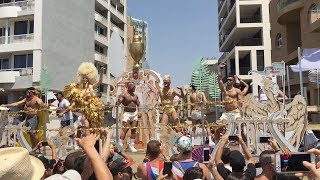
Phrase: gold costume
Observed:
(86, 102)
(167, 104)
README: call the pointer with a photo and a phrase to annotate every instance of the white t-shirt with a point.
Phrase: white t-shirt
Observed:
(63, 105)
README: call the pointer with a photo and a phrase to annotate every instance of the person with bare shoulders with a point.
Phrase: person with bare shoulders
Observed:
(167, 95)
(238, 85)
(130, 116)
(32, 103)
(231, 95)
(196, 98)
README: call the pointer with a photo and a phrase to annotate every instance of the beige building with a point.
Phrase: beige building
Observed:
(295, 23)
(244, 37)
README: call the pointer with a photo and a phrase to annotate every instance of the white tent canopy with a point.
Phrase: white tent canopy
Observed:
(310, 60)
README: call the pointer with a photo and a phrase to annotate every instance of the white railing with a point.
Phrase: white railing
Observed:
(102, 19)
(20, 38)
(25, 5)
(101, 57)
(23, 71)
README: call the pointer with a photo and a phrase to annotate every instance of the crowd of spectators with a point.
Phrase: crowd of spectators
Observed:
(86, 163)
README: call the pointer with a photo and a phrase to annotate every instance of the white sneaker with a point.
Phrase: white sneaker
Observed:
(132, 149)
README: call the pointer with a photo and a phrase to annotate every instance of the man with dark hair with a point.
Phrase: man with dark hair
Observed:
(150, 170)
(225, 158)
(121, 169)
(64, 112)
(267, 163)
(131, 103)
(32, 104)
(193, 173)
(236, 159)
(231, 95)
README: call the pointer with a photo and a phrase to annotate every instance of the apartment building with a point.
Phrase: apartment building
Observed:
(58, 34)
(244, 37)
(295, 23)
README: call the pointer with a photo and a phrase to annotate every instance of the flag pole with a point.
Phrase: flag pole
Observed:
(300, 71)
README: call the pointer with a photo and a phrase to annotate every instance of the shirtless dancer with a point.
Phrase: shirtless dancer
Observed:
(130, 115)
(232, 95)
(32, 103)
(167, 95)
(196, 98)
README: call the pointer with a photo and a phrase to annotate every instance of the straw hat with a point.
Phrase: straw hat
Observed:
(16, 163)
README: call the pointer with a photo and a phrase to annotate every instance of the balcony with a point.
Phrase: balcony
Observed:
(101, 57)
(101, 19)
(253, 19)
(250, 42)
(8, 75)
(27, 5)
(17, 39)
(289, 11)
(114, 11)
(101, 39)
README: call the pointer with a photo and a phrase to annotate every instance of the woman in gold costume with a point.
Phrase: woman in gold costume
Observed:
(83, 97)
(167, 95)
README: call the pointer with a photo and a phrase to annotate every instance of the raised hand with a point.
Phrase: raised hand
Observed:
(88, 141)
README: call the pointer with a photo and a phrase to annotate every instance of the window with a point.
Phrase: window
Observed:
(99, 30)
(260, 60)
(3, 31)
(4, 1)
(98, 48)
(23, 27)
(314, 13)
(4, 64)
(279, 41)
(23, 61)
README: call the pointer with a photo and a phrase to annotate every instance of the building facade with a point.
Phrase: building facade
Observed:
(58, 34)
(295, 23)
(244, 37)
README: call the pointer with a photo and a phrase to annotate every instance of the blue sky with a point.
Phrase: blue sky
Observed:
(180, 31)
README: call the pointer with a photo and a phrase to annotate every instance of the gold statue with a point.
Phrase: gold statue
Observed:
(137, 49)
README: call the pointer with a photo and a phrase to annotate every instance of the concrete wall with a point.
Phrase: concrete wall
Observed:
(67, 38)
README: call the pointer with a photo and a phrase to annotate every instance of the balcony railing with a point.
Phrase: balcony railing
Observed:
(23, 71)
(220, 4)
(250, 42)
(283, 3)
(20, 38)
(222, 20)
(232, 2)
(17, 38)
(25, 5)
(253, 19)
(102, 18)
